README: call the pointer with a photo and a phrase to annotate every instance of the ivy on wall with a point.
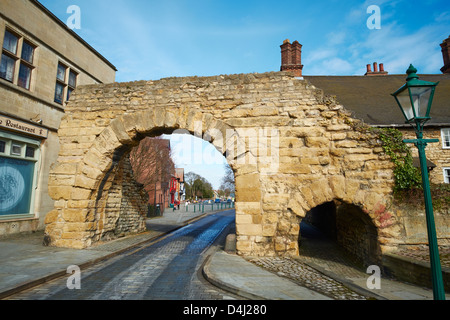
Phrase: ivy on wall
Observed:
(406, 176)
(408, 179)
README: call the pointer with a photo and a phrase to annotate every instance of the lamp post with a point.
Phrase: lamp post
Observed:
(415, 99)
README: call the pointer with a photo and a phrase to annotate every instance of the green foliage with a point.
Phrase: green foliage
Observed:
(440, 194)
(407, 176)
(197, 186)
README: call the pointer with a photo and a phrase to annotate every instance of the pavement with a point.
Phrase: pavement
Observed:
(26, 263)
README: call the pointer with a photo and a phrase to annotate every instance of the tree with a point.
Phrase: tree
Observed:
(228, 180)
(190, 187)
(197, 186)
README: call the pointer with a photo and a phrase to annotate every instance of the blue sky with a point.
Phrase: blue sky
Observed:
(149, 40)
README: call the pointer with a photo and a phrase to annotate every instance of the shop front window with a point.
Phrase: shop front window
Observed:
(18, 165)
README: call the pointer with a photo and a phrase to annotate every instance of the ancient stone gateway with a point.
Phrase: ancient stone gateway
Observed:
(291, 147)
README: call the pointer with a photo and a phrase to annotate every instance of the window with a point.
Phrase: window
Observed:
(61, 73)
(10, 60)
(7, 68)
(10, 42)
(24, 76)
(16, 150)
(66, 81)
(27, 52)
(18, 173)
(445, 138)
(30, 151)
(447, 175)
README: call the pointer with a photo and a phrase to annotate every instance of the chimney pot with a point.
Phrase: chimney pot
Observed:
(378, 70)
(445, 45)
(291, 57)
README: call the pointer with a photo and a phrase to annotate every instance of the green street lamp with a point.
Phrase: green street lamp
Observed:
(415, 99)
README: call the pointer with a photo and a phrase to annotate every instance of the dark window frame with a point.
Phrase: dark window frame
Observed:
(68, 85)
(20, 62)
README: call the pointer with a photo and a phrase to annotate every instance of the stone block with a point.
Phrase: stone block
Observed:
(337, 185)
(269, 230)
(74, 215)
(244, 219)
(60, 192)
(80, 194)
(249, 229)
(52, 217)
(118, 128)
(316, 142)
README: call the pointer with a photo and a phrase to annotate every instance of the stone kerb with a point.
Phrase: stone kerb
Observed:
(291, 148)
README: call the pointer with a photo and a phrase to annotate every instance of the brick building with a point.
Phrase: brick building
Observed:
(38, 71)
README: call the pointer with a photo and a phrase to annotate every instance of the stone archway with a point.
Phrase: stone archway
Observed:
(345, 225)
(290, 146)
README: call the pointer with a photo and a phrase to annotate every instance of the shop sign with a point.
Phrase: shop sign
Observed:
(23, 127)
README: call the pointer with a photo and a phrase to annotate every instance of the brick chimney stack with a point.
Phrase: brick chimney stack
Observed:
(291, 57)
(445, 45)
(375, 71)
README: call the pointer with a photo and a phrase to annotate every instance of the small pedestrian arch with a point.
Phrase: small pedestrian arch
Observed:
(291, 147)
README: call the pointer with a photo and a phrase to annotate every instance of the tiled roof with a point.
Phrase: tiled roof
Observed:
(369, 97)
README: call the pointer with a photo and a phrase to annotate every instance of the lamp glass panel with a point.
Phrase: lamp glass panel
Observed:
(421, 98)
(405, 102)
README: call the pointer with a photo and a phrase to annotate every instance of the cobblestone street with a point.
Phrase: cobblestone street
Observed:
(318, 251)
(308, 277)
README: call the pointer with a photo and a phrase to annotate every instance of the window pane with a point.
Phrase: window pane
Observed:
(16, 150)
(29, 152)
(59, 93)
(10, 42)
(446, 137)
(61, 74)
(72, 79)
(69, 92)
(16, 185)
(7, 67)
(2, 146)
(27, 52)
(447, 175)
(24, 76)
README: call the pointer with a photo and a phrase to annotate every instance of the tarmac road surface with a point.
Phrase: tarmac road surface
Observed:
(166, 269)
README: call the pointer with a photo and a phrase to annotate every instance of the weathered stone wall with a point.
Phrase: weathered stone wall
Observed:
(126, 205)
(357, 234)
(301, 149)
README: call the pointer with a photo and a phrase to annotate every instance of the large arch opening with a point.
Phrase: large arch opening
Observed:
(131, 198)
(106, 201)
(337, 224)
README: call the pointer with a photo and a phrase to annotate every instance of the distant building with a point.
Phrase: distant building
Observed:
(369, 98)
(177, 190)
(42, 62)
(179, 174)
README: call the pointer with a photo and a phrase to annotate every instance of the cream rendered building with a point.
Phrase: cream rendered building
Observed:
(42, 62)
